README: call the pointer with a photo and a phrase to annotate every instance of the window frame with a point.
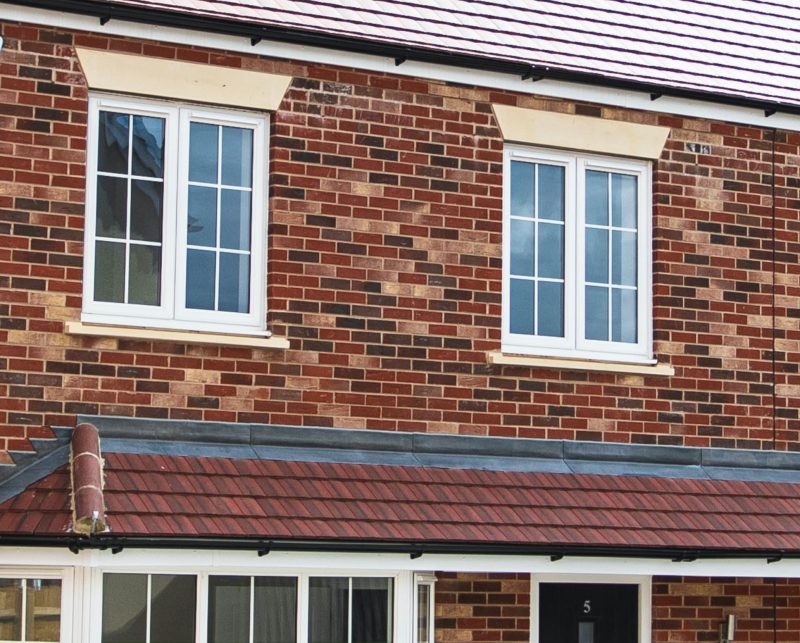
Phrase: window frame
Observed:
(399, 582)
(172, 313)
(573, 344)
(66, 576)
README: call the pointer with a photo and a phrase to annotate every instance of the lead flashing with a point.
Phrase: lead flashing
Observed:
(351, 446)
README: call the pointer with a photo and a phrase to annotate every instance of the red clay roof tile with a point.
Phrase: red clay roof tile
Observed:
(216, 497)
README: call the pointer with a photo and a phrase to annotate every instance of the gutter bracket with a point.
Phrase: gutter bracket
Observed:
(655, 95)
(399, 60)
(104, 20)
(255, 40)
(769, 112)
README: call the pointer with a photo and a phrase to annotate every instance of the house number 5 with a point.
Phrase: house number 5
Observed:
(587, 607)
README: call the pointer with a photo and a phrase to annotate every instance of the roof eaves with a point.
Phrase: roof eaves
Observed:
(401, 53)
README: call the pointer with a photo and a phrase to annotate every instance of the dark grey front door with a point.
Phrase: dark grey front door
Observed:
(588, 613)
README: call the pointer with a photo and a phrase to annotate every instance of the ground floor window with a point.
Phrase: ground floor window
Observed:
(30, 609)
(186, 608)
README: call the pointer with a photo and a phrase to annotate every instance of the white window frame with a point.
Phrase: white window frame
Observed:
(427, 580)
(645, 584)
(172, 312)
(65, 575)
(573, 345)
(401, 629)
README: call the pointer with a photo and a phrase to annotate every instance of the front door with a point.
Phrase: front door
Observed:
(588, 613)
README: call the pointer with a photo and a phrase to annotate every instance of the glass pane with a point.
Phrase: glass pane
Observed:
(124, 608)
(203, 144)
(623, 253)
(43, 610)
(522, 181)
(522, 306)
(371, 618)
(275, 610)
(551, 250)
(201, 224)
(109, 271)
(522, 233)
(551, 192)
(597, 255)
(172, 608)
(596, 313)
(234, 282)
(423, 613)
(623, 315)
(586, 632)
(551, 309)
(112, 142)
(235, 226)
(11, 609)
(237, 156)
(148, 146)
(112, 207)
(144, 283)
(623, 200)
(146, 209)
(200, 279)
(328, 609)
(596, 197)
(228, 609)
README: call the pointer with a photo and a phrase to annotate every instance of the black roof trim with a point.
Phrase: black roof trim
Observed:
(254, 32)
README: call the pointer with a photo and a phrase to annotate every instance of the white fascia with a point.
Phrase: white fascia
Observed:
(318, 55)
(197, 561)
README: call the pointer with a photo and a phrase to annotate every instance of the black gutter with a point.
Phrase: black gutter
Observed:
(264, 546)
(109, 11)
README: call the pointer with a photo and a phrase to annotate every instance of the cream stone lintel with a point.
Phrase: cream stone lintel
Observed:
(504, 359)
(178, 336)
(584, 133)
(192, 82)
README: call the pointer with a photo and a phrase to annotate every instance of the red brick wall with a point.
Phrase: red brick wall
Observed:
(692, 609)
(482, 607)
(385, 271)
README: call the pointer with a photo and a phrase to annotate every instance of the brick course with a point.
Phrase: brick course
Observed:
(482, 607)
(384, 270)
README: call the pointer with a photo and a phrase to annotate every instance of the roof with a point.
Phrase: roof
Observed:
(746, 49)
(174, 493)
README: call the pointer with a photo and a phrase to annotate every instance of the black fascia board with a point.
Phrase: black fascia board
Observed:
(356, 45)
(77, 543)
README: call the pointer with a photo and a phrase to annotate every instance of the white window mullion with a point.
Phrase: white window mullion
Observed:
(148, 606)
(252, 606)
(24, 610)
(350, 610)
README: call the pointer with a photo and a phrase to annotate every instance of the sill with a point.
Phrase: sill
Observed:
(505, 359)
(178, 336)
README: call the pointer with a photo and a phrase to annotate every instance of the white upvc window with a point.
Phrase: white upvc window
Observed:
(35, 606)
(424, 615)
(175, 217)
(223, 608)
(576, 256)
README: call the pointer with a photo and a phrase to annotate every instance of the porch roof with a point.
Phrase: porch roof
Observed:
(272, 493)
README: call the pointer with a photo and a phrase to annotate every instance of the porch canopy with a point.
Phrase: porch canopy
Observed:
(212, 486)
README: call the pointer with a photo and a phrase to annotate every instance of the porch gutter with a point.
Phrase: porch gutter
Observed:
(400, 53)
(414, 549)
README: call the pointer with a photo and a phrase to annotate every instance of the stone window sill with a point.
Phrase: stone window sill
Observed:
(177, 336)
(505, 359)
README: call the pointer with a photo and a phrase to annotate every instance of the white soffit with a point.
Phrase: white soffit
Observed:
(585, 133)
(193, 82)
